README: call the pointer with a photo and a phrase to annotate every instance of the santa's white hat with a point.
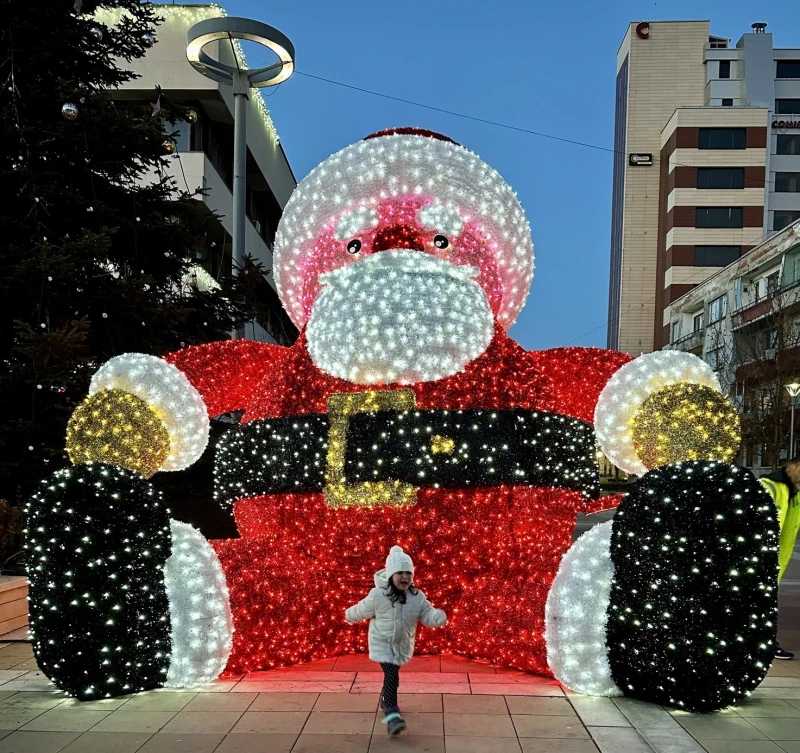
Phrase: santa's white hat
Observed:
(399, 162)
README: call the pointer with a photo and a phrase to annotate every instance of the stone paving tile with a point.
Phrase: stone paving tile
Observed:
(790, 747)
(413, 688)
(203, 722)
(767, 707)
(103, 704)
(284, 702)
(529, 725)
(101, 742)
(340, 723)
(292, 687)
(419, 725)
(513, 678)
(532, 745)
(36, 742)
(518, 704)
(475, 704)
(618, 740)
(426, 702)
(226, 702)
(158, 701)
(788, 694)
(781, 682)
(43, 701)
(11, 674)
(14, 718)
(282, 722)
(320, 665)
(643, 714)
(182, 743)
(65, 720)
(269, 743)
(741, 746)
(284, 675)
(332, 744)
(23, 649)
(458, 744)
(427, 663)
(346, 702)
(134, 721)
(410, 743)
(720, 727)
(438, 678)
(598, 712)
(666, 740)
(460, 664)
(353, 663)
(520, 688)
(478, 725)
(778, 729)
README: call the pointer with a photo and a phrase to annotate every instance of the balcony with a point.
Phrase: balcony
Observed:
(691, 343)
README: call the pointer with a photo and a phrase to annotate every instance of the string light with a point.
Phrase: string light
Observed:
(576, 615)
(694, 603)
(113, 426)
(97, 538)
(407, 178)
(200, 615)
(686, 422)
(627, 390)
(169, 394)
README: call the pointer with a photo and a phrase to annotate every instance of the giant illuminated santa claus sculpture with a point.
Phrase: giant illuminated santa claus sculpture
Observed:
(404, 414)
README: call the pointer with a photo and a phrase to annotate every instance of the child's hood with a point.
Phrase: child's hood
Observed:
(381, 579)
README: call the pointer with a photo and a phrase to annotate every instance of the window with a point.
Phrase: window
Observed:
(720, 177)
(727, 103)
(676, 331)
(722, 138)
(772, 283)
(719, 217)
(788, 143)
(717, 309)
(787, 182)
(715, 256)
(787, 106)
(724, 68)
(697, 323)
(781, 219)
(787, 69)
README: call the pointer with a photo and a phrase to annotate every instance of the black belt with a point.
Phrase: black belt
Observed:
(387, 450)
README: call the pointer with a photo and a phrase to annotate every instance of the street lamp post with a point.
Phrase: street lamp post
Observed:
(793, 389)
(241, 80)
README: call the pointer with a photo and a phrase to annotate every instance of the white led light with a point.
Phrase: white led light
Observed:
(199, 609)
(350, 223)
(398, 317)
(441, 218)
(576, 615)
(627, 390)
(169, 393)
(463, 186)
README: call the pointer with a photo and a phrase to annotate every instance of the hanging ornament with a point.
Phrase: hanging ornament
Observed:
(191, 116)
(149, 39)
(156, 106)
(169, 145)
(69, 111)
(96, 32)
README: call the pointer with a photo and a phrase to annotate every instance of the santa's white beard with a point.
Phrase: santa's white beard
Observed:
(398, 316)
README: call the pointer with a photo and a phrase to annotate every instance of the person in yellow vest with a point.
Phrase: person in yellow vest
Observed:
(783, 486)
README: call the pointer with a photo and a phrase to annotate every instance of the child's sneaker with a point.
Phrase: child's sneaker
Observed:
(395, 723)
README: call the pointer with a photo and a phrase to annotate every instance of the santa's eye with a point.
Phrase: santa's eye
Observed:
(441, 242)
(354, 246)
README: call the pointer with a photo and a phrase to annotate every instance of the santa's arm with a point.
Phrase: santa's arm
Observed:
(180, 391)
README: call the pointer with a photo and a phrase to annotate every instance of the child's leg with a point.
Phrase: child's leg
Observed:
(391, 681)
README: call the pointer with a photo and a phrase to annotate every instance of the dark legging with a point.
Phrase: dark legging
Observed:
(391, 680)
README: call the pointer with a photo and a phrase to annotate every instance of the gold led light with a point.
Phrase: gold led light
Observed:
(442, 445)
(686, 422)
(114, 426)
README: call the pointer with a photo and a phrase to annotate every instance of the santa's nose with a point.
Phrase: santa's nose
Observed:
(397, 236)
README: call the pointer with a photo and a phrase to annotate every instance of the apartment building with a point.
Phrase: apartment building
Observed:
(707, 165)
(203, 156)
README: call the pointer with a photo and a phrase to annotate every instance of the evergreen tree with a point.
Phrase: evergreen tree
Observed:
(95, 236)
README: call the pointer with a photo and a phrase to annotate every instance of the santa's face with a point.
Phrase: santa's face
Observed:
(402, 291)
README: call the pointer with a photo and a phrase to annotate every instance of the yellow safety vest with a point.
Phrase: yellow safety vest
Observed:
(788, 519)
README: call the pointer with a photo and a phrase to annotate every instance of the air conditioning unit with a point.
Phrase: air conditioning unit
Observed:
(770, 354)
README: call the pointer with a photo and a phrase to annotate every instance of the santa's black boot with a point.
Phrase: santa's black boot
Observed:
(688, 574)
(97, 539)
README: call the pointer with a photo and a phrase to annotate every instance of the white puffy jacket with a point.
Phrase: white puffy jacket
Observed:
(393, 627)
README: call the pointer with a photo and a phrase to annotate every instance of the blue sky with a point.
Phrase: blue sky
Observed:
(544, 66)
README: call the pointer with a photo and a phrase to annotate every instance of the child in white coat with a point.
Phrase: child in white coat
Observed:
(393, 608)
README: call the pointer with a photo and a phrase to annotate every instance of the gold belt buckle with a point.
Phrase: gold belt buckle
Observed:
(338, 493)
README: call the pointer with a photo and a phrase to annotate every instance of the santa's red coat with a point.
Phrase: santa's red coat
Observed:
(486, 556)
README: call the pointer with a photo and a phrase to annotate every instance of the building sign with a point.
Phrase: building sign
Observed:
(640, 160)
(643, 30)
(786, 123)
